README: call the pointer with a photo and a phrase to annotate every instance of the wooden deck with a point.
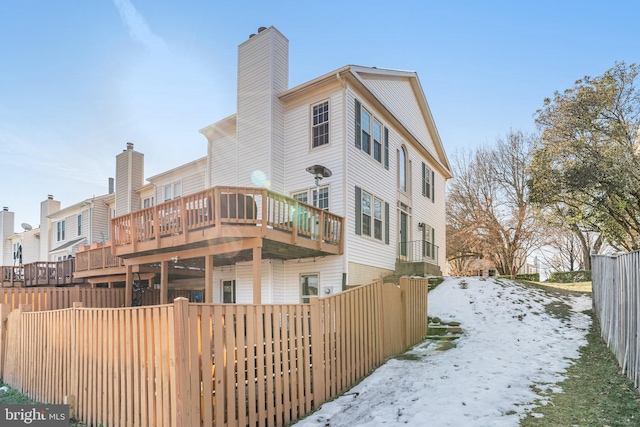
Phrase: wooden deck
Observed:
(52, 273)
(224, 217)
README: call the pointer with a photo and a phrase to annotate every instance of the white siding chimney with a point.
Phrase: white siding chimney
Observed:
(6, 229)
(47, 208)
(129, 177)
(263, 73)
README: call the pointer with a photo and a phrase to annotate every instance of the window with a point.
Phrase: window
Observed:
(402, 169)
(377, 219)
(366, 131)
(320, 127)
(229, 291)
(323, 203)
(147, 202)
(377, 138)
(428, 240)
(372, 216)
(172, 191)
(366, 127)
(300, 197)
(311, 194)
(80, 225)
(309, 287)
(427, 182)
(60, 228)
(366, 214)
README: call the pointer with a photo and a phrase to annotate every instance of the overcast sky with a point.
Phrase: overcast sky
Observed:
(79, 79)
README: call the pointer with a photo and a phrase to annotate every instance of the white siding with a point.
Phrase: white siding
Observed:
(372, 177)
(244, 283)
(399, 98)
(262, 74)
(299, 155)
(100, 223)
(223, 154)
(329, 272)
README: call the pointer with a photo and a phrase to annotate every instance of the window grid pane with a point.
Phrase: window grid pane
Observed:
(320, 131)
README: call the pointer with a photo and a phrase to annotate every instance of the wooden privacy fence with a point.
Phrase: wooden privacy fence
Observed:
(49, 298)
(616, 298)
(188, 364)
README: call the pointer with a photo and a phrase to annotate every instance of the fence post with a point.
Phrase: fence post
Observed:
(406, 307)
(317, 352)
(75, 295)
(180, 345)
(71, 399)
(5, 309)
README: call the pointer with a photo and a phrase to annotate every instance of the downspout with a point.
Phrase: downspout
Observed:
(344, 183)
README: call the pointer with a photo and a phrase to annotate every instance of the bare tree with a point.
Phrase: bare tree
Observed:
(488, 204)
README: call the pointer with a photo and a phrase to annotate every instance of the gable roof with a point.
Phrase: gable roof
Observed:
(363, 80)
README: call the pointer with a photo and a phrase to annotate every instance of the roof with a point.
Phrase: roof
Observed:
(67, 245)
(353, 74)
(106, 198)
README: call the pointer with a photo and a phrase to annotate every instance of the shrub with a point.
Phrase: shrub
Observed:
(535, 277)
(570, 276)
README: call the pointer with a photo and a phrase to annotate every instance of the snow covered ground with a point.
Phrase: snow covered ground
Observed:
(509, 344)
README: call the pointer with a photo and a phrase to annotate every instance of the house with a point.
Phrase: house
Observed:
(305, 190)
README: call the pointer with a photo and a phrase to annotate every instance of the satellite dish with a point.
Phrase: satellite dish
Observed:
(26, 226)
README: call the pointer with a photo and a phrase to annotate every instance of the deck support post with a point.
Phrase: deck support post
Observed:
(164, 282)
(257, 272)
(208, 279)
(128, 286)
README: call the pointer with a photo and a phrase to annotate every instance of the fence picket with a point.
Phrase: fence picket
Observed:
(616, 299)
(210, 364)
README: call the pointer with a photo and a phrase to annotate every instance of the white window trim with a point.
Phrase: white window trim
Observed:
(303, 296)
(372, 218)
(310, 192)
(172, 190)
(314, 126)
(371, 132)
(61, 233)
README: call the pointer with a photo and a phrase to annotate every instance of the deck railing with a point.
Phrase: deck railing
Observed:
(41, 273)
(220, 206)
(418, 251)
(97, 259)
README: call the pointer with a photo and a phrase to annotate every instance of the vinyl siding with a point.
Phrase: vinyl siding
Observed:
(100, 223)
(262, 74)
(223, 152)
(244, 283)
(299, 155)
(372, 177)
(329, 272)
(399, 98)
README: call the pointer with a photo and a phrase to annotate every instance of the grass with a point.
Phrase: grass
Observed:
(595, 394)
(13, 397)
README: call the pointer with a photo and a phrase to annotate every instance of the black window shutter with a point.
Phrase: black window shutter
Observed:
(433, 187)
(386, 148)
(358, 112)
(433, 242)
(425, 250)
(386, 223)
(424, 182)
(358, 210)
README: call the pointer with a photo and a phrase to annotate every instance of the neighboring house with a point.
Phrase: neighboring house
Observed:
(384, 199)
(60, 233)
(77, 225)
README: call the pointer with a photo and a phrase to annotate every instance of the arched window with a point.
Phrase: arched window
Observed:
(402, 169)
